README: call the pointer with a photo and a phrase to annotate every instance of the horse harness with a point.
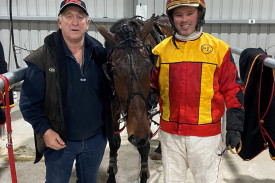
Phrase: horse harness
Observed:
(128, 41)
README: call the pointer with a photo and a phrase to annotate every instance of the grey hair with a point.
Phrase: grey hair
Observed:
(60, 18)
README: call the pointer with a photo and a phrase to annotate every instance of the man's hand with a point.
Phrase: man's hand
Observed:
(233, 138)
(53, 140)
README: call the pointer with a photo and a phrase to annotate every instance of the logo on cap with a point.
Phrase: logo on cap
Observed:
(76, 1)
(66, 3)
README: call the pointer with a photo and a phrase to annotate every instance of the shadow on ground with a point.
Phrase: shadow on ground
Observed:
(248, 179)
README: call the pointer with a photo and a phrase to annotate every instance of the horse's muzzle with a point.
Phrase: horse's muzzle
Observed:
(136, 141)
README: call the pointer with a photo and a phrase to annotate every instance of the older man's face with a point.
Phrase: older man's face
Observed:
(73, 23)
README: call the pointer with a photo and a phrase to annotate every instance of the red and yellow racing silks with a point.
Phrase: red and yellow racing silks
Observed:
(194, 82)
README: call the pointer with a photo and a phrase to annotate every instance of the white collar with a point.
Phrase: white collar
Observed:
(195, 35)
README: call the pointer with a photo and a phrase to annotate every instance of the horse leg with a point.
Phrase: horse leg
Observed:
(112, 169)
(144, 172)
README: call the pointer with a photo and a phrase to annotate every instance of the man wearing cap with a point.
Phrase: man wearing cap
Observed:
(195, 76)
(64, 98)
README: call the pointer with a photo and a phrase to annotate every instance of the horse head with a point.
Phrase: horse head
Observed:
(129, 45)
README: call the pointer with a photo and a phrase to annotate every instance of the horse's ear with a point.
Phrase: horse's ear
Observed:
(108, 36)
(147, 28)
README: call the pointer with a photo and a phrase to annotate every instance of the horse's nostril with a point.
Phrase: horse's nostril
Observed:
(134, 140)
(142, 142)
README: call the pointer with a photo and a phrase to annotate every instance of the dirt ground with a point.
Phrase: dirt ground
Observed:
(232, 170)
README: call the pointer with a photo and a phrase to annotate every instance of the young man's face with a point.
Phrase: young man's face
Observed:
(73, 23)
(185, 19)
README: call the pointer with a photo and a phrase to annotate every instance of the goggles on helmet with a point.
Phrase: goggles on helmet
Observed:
(171, 4)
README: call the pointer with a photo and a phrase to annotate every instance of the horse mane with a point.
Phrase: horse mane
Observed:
(132, 22)
(160, 16)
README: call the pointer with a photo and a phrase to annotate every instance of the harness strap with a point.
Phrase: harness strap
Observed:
(160, 35)
(106, 70)
(120, 130)
(9, 130)
(151, 114)
(156, 123)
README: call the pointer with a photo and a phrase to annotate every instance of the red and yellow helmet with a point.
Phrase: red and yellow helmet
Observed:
(171, 4)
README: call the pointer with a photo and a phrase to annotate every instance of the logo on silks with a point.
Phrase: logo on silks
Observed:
(206, 48)
(76, 1)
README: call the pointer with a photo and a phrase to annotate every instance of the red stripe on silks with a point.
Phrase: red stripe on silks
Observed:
(185, 129)
(217, 108)
(185, 92)
(155, 75)
(8, 123)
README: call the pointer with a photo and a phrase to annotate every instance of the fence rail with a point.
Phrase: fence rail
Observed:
(269, 62)
(14, 76)
(19, 74)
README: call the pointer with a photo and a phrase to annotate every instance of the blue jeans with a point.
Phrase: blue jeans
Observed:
(88, 155)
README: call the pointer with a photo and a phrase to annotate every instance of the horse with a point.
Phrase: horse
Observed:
(129, 43)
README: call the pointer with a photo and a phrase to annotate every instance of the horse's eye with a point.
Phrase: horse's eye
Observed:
(113, 71)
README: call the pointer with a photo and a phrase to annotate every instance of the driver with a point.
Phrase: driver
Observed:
(195, 77)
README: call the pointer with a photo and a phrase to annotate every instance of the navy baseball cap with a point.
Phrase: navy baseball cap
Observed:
(67, 3)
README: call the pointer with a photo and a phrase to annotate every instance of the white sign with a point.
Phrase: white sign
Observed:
(251, 21)
(141, 10)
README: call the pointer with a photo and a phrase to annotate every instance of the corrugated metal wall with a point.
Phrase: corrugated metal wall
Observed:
(225, 19)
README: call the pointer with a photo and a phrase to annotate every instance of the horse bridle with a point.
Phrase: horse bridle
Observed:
(128, 40)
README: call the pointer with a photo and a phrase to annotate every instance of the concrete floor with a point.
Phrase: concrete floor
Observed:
(232, 170)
